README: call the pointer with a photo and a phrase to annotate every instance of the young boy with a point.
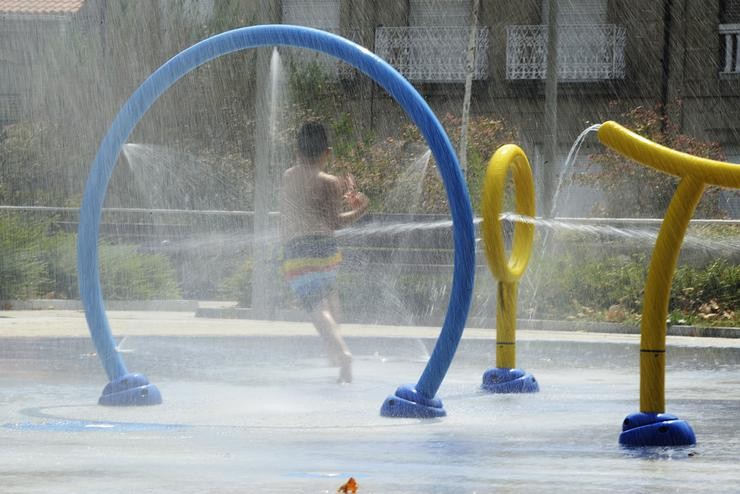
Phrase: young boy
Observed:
(312, 206)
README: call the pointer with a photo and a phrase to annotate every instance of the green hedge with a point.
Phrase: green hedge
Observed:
(125, 273)
(577, 284)
(582, 285)
(35, 263)
(22, 273)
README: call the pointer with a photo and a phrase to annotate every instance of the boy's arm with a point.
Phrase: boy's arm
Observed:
(361, 204)
(337, 217)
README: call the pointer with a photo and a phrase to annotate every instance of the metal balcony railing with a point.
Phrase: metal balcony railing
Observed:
(731, 35)
(585, 52)
(432, 54)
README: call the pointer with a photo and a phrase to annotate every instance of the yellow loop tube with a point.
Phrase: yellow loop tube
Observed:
(506, 325)
(507, 271)
(695, 172)
(508, 157)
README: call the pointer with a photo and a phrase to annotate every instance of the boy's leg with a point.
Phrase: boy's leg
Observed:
(335, 307)
(327, 327)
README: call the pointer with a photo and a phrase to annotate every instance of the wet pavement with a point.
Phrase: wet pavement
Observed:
(253, 407)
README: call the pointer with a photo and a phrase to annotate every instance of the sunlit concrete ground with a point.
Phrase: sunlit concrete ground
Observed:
(252, 406)
(71, 323)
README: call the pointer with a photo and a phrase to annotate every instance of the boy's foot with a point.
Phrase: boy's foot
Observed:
(345, 369)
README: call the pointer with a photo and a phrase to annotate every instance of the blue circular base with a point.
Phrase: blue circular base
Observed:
(130, 390)
(500, 380)
(408, 403)
(655, 429)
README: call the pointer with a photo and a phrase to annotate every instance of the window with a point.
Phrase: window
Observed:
(729, 31)
(730, 12)
(434, 46)
(319, 14)
(577, 12)
(588, 47)
(11, 91)
(426, 13)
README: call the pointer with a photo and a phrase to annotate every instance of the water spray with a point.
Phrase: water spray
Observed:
(134, 389)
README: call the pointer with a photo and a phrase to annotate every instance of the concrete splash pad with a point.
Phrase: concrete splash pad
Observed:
(261, 413)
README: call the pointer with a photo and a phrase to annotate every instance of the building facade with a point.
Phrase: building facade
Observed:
(678, 56)
(627, 52)
(29, 34)
(613, 55)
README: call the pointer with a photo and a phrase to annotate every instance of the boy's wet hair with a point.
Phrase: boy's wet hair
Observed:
(312, 140)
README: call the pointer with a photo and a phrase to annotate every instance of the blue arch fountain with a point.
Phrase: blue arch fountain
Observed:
(127, 388)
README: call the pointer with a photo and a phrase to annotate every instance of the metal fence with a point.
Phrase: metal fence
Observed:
(394, 260)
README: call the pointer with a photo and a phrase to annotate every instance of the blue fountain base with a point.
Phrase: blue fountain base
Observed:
(655, 429)
(500, 380)
(130, 390)
(408, 403)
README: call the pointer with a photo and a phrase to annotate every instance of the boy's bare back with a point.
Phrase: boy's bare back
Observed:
(310, 202)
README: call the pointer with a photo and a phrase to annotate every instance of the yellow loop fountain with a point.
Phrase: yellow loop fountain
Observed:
(652, 426)
(505, 377)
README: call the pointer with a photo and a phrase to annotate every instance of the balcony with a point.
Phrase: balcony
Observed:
(731, 35)
(432, 54)
(585, 52)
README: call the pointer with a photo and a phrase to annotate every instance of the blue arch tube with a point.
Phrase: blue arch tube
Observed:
(128, 389)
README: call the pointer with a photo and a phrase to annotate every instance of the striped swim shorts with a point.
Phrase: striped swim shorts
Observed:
(310, 266)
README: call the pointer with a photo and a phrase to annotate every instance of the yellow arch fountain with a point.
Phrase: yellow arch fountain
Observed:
(652, 426)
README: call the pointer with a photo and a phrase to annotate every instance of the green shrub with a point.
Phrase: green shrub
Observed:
(23, 273)
(238, 286)
(125, 273)
(388, 294)
(309, 82)
(577, 284)
(59, 255)
(377, 165)
(423, 294)
(708, 294)
(23, 174)
(576, 280)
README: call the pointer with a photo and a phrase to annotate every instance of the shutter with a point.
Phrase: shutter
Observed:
(321, 14)
(439, 13)
(731, 12)
(577, 12)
